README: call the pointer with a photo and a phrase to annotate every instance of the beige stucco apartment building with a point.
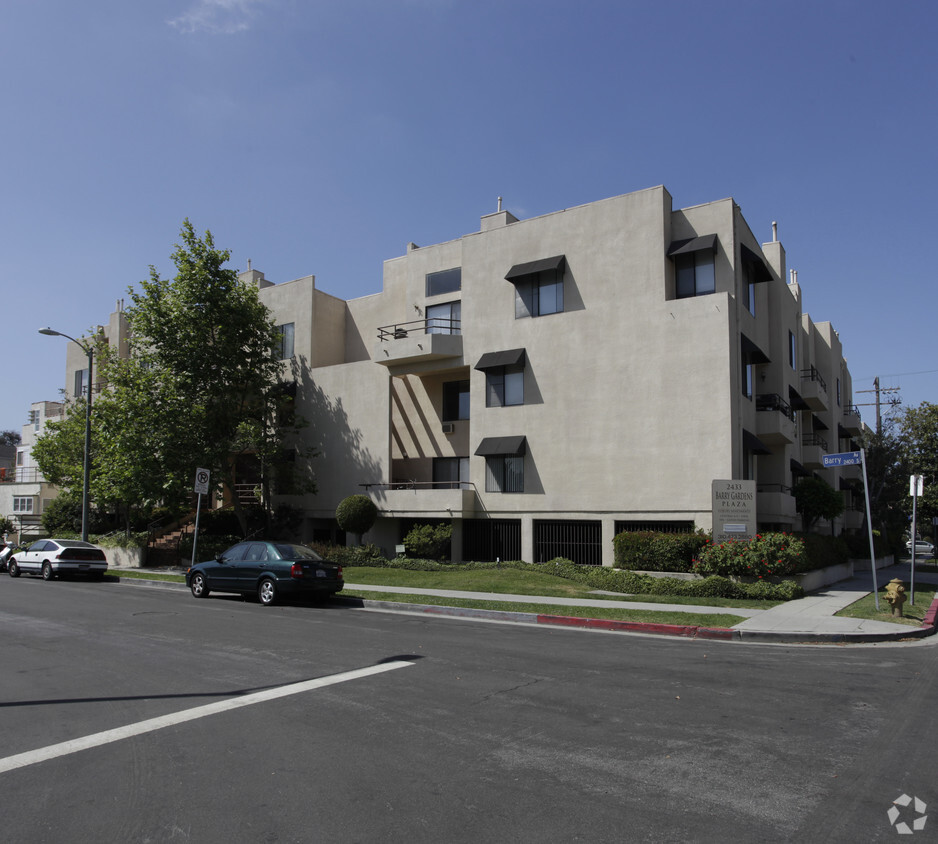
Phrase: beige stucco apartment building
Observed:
(546, 383)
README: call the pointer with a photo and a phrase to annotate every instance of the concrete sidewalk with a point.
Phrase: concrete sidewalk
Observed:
(806, 620)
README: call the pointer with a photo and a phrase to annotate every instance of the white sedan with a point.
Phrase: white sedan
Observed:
(53, 557)
(922, 548)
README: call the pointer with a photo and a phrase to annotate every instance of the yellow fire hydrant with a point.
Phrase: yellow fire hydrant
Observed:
(895, 595)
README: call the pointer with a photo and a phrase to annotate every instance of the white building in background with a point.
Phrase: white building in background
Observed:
(543, 384)
(24, 492)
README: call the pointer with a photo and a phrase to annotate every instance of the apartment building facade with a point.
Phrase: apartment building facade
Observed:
(543, 384)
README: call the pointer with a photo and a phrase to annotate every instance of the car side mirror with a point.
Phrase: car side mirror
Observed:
(219, 558)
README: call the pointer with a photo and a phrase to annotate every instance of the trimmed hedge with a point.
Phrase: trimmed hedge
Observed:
(649, 551)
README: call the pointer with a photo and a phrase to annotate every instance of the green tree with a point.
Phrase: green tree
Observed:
(918, 436)
(201, 386)
(816, 499)
(10, 437)
(356, 514)
(887, 478)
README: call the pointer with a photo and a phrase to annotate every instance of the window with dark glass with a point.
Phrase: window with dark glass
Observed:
(694, 274)
(450, 472)
(81, 382)
(286, 340)
(538, 286)
(447, 281)
(455, 400)
(792, 351)
(504, 473)
(444, 319)
(504, 386)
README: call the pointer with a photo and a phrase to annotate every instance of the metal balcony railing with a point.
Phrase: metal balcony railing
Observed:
(773, 401)
(22, 475)
(814, 440)
(813, 374)
(432, 325)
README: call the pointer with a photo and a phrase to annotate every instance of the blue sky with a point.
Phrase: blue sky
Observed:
(321, 136)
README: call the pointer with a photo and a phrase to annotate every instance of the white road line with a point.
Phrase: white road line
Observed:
(31, 757)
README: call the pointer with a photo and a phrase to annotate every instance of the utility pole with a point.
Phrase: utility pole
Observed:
(893, 401)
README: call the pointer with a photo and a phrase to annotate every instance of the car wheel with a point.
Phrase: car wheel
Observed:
(267, 592)
(13, 568)
(199, 586)
(47, 571)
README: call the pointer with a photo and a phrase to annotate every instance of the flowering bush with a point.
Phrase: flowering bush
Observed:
(767, 555)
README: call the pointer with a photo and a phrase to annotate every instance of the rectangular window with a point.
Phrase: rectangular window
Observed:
(749, 290)
(504, 473)
(447, 281)
(747, 378)
(792, 351)
(81, 382)
(19, 457)
(23, 505)
(694, 274)
(287, 331)
(450, 472)
(838, 392)
(455, 400)
(539, 294)
(444, 319)
(504, 386)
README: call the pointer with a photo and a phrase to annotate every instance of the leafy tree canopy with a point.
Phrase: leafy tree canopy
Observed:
(816, 499)
(201, 385)
(10, 437)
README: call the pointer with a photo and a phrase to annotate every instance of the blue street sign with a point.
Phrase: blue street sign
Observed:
(847, 458)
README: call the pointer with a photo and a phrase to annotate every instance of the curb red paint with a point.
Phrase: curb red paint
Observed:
(688, 631)
(931, 617)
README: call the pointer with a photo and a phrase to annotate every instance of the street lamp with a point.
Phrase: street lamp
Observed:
(88, 350)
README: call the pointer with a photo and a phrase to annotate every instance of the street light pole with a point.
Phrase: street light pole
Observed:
(86, 481)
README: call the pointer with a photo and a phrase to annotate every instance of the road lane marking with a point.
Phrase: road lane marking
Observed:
(53, 751)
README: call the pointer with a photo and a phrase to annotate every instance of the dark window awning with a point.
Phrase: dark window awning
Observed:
(754, 444)
(795, 400)
(818, 423)
(842, 432)
(797, 469)
(693, 244)
(493, 360)
(751, 351)
(760, 270)
(492, 446)
(532, 267)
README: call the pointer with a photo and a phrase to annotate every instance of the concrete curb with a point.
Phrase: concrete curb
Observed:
(928, 628)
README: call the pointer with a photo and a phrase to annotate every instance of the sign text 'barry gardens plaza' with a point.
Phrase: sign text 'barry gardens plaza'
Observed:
(734, 510)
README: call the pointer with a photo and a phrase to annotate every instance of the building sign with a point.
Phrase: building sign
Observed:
(734, 510)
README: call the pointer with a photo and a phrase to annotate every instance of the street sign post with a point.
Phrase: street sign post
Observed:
(202, 477)
(916, 487)
(846, 458)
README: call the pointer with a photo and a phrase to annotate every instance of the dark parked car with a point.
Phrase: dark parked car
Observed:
(53, 557)
(269, 570)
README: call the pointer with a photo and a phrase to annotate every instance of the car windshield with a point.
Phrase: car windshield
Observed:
(296, 552)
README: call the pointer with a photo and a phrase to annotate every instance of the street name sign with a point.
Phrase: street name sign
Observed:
(846, 458)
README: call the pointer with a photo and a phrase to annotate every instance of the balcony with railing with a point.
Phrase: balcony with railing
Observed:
(419, 340)
(851, 420)
(775, 420)
(775, 502)
(814, 389)
(416, 499)
(813, 449)
(21, 475)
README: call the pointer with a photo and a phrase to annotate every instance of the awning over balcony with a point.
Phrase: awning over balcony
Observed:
(751, 351)
(491, 446)
(694, 244)
(492, 360)
(760, 272)
(532, 267)
(754, 444)
(797, 403)
(797, 470)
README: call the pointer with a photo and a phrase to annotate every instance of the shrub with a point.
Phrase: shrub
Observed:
(648, 551)
(350, 555)
(208, 546)
(770, 554)
(356, 514)
(824, 550)
(430, 541)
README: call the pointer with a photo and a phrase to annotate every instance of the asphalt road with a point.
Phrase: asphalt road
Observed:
(470, 731)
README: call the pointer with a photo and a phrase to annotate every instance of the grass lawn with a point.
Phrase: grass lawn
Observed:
(516, 582)
(625, 614)
(913, 616)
